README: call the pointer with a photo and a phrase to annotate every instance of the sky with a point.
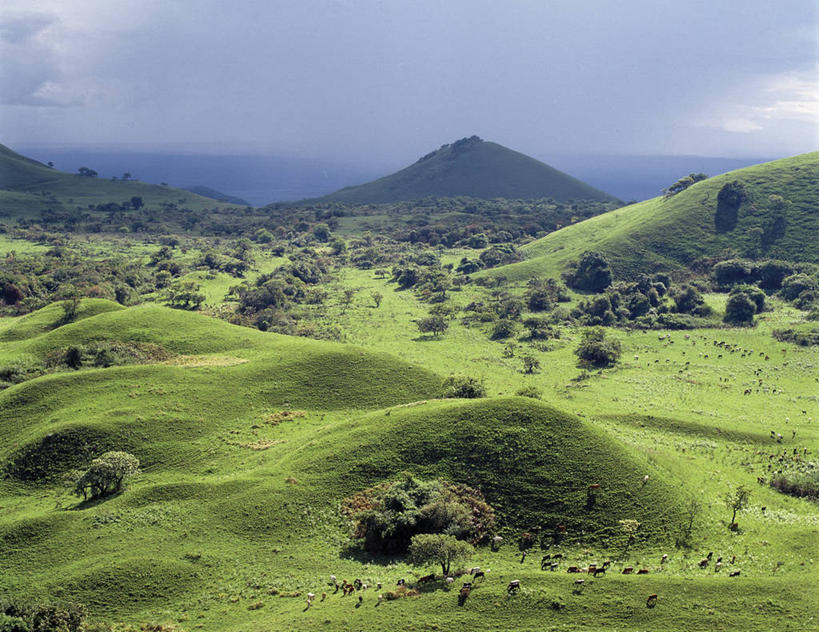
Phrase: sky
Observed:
(390, 80)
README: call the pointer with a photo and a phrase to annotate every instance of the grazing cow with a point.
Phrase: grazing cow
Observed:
(651, 601)
(709, 556)
(380, 599)
(643, 571)
(545, 562)
(553, 566)
(360, 601)
(496, 542)
(717, 566)
(513, 587)
(645, 479)
(426, 578)
(599, 571)
(378, 585)
(401, 582)
(557, 556)
(523, 557)
(474, 570)
(664, 559)
(591, 568)
(733, 574)
(464, 594)
(323, 596)
(480, 575)
(357, 583)
(733, 559)
(449, 580)
(704, 563)
(573, 569)
(628, 570)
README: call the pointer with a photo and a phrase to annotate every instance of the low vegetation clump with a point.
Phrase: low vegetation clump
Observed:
(802, 483)
(597, 349)
(464, 386)
(591, 273)
(42, 617)
(387, 517)
(106, 475)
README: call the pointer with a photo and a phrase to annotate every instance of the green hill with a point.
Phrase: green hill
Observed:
(533, 463)
(28, 187)
(470, 167)
(217, 195)
(668, 233)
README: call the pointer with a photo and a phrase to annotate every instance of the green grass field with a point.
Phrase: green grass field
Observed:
(234, 514)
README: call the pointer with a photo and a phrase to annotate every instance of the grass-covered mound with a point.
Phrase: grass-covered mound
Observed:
(51, 317)
(533, 463)
(668, 233)
(52, 423)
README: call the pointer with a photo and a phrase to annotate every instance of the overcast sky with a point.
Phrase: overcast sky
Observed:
(392, 79)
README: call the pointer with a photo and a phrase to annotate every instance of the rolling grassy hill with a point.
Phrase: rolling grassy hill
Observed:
(470, 167)
(533, 462)
(28, 187)
(668, 233)
(248, 441)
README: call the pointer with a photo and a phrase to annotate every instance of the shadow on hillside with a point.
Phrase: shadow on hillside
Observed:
(426, 338)
(93, 502)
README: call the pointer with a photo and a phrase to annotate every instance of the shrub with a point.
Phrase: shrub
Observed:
(592, 273)
(462, 386)
(795, 284)
(42, 617)
(728, 273)
(503, 329)
(687, 299)
(597, 350)
(106, 474)
(753, 293)
(799, 484)
(740, 310)
(529, 391)
(389, 515)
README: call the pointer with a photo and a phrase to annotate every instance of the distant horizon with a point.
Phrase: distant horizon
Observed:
(264, 179)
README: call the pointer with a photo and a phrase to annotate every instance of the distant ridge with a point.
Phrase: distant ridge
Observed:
(470, 167)
(217, 195)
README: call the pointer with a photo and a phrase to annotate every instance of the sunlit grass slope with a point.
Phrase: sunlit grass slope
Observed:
(667, 233)
(534, 463)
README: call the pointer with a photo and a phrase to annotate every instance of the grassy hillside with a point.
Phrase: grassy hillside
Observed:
(668, 233)
(28, 187)
(533, 462)
(249, 440)
(471, 167)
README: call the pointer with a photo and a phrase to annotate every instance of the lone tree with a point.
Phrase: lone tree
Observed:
(434, 324)
(86, 172)
(530, 364)
(597, 350)
(106, 474)
(435, 548)
(737, 500)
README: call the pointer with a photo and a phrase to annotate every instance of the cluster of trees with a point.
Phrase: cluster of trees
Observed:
(388, 517)
(16, 616)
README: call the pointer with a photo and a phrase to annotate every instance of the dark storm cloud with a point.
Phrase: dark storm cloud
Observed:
(395, 79)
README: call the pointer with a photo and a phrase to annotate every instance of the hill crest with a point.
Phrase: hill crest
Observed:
(470, 167)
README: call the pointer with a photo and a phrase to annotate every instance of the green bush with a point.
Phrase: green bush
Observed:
(106, 474)
(597, 350)
(388, 516)
(739, 310)
(592, 273)
(462, 386)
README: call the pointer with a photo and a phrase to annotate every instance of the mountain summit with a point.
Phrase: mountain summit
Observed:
(471, 167)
